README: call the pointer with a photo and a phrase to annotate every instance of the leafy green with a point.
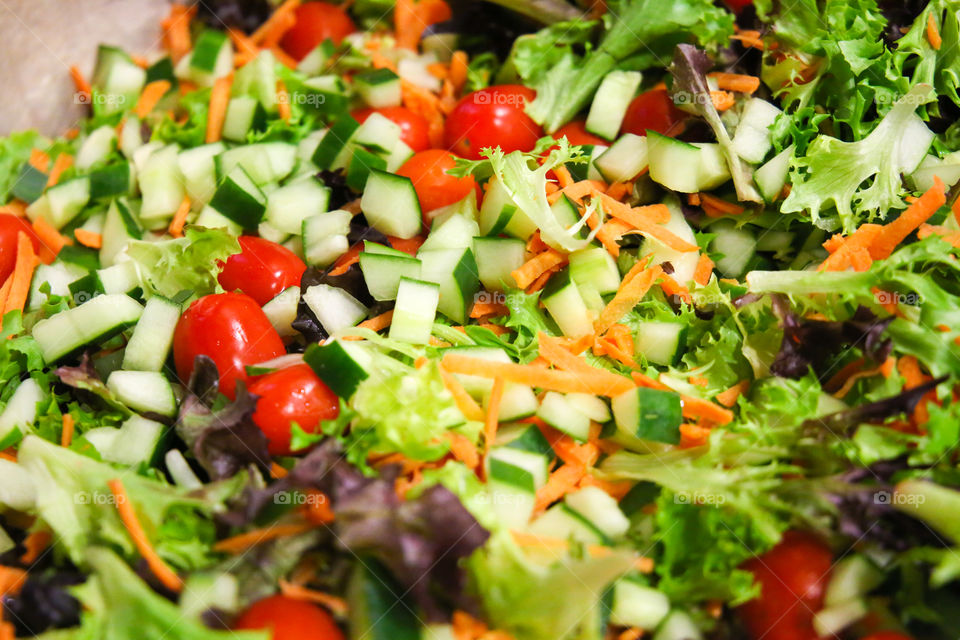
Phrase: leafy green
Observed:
(924, 64)
(14, 151)
(190, 263)
(527, 320)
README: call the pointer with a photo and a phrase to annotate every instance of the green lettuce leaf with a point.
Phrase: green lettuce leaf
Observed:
(190, 263)
(14, 151)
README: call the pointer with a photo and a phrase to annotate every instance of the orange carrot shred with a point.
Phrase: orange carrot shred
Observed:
(722, 100)
(39, 160)
(11, 581)
(244, 541)
(15, 208)
(150, 96)
(483, 309)
(729, 208)
(180, 218)
(464, 450)
(933, 32)
(51, 239)
(564, 179)
(674, 289)
(862, 238)
(5, 293)
(84, 90)
(176, 30)
(63, 162)
(35, 544)
(729, 397)
(66, 433)
(24, 266)
(893, 233)
(283, 101)
(458, 70)
(629, 294)
(270, 32)
(88, 238)
(337, 605)
(219, 99)
(736, 82)
(533, 268)
(599, 382)
(700, 408)
(701, 275)
(128, 516)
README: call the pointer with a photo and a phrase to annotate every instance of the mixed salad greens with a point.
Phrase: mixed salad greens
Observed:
(471, 321)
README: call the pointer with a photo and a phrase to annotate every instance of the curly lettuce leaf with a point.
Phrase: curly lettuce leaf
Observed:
(190, 263)
(14, 151)
(925, 65)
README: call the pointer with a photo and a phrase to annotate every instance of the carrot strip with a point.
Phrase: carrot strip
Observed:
(648, 227)
(579, 190)
(560, 483)
(933, 32)
(276, 471)
(66, 433)
(347, 260)
(704, 270)
(50, 238)
(219, 99)
(673, 288)
(378, 323)
(607, 347)
(128, 516)
(15, 208)
(283, 101)
(599, 382)
(39, 160)
(35, 543)
(729, 397)
(847, 386)
(533, 268)
(749, 38)
(11, 581)
(26, 263)
(893, 233)
(180, 218)
(270, 32)
(459, 65)
(464, 450)
(243, 541)
(722, 100)
(862, 238)
(564, 179)
(556, 354)
(730, 208)
(337, 605)
(150, 96)
(243, 44)
(80, 83)
(493, 413)
(704, 409)
(638, 217)
(87, 238)
(736, 82)
(481, 309)
(176, 30)
(63, 162)
(5, 293)
(629, 294)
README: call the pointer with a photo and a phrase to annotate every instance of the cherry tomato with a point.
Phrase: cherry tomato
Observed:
(10, 228)
(887, 635)
(316, 21)
(653, 110)
(435, 188)
(577, 133)
(261, 270)
(738, 5)
(490, 117)
(414, 128)
(290, 620)
(231, 329)
(792, 577)
(294, 394)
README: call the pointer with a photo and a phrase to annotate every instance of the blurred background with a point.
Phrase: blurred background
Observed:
(41, 39)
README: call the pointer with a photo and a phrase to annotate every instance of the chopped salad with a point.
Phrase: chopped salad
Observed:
(449, 320)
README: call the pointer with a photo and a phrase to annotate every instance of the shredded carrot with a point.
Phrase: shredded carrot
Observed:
(463, 450)
(150, 96)
(378, 323)
(729, 397)
(458, 70)
(645, 225)
(9, 454)
(704, 270)
(482, 309)
(243, 541)
(621, 336)
(629, 294)
(15, 208)
(35, 544)
(219, 99)
(243, 44)
(533, 268)
(557, 354)
(66, 432)
(749, 38)
(466, 627)
(63, 162)
(423, 102)
(862, 238)
(411, 17)
(909, 368)
(704, 409)
(951, 237)
(848, 384)
(128, 516)
(283, 101)
(7, 631)
(87, 238)
(493, 413)
(607, 347)
(11, 580)
(524, 539)
(722, 100)
(693, 199)
(721, 205)
(337, 605)
(279, 22)
(176, 30)
(5, 293)
(80, 83)
(564, 179)
(283, 57)
(638, 217)
(39, 160)
(860, 260)
(674, 289)
(52, 241)
(580, 455)
(407, 245)
(465, 402)
(579, 190)
(560, 483)
(633, 633)
(735, 82)
(598, 382)
(893, 233)
(933, 32)
(180, 218)
(20, 278)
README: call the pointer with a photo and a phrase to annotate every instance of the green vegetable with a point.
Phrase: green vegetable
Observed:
(14, 152)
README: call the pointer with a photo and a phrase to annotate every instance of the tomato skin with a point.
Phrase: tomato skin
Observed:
(289, 619)
(232, 330)
(10, 228)
(261, 270)
(738, 5)
(653, 110)
(887, 635)
(792, 576)
(576, 132)
(293, 394)
(490, 117)
(435, 189)
(414, 128)
(316, 21)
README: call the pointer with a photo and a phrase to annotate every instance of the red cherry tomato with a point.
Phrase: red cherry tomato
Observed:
(435, 188)
(232, 330)
(294, 394)
(290, 620)
(490, 117)
(414, 128)
(261, 270)
(10, 228)
(577, 133)
(792, 577)
(738, 5)
(653, 110)
(316, 21)
(887, 635)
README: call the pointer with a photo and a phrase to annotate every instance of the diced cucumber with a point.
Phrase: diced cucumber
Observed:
(683, 167)
(568, 214)
(563, 301)
(258, 78)
(563, 523)
(281, 311)
(152, 338)
(512, 492)
(398, 155)
(377, 609)
(661, 343)
(240, 199)
(526, 437)
(161, 185)
(96, 147)
(58, 275)
(180, 471)
(497, 209)
(752, 139)
(264, 162)
(556, 411)
(917, 138)
(341, 365)
(137, 441)
(98, 318)
(610, 103)
(378, 88)
(830, 621)
(497, 258)
(772, 176)
(206, 591)
(291, 204)
(624, 160)
(144, 391)
(213, 219)
(122, 277)
(684, 263)
(335, 308)
(326, 95)
(334, 143)
(535, 464)
(117, 80)
(361, 164)
(378, 133)
(62, 202)
(712, 168)
(947, 169)
(589, 405)
(852, 577)
(390, 204)
(131, 136)
(780, 242)
(455, 232)
(199, 171)
(119, 228)
(244, 115)
(325, 237)
(30, 184)
(601, 509)
(315, 62)
(517, 402)
(111, 181)
(637, 605)
(18, 489)
(211, 58)
(455, 270)
(737, 245)
(382, 273)
(678, 625)
(20, 411)
(650, 414)
(594, 268)
(415, 311)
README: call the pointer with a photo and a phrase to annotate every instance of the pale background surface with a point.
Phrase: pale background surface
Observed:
(40, 39)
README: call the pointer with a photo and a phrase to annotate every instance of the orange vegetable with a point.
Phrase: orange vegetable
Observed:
(893, 233)
(283, 101)
(736, 82)
(39, 160)
(337, 605)
(458, 70)
(706, 410)
(378, 323)
(11, 580)
(150, 96)
(21, 276)
(721, 205)
(536, 266)
(674, 289)
(66, 433)
(52, 241)
(5, 293)
(15, 208)
(80, 83)
(560, 483)
(722, 100)
(464, 450)
(933, 32)
(35, 544)
(701, 275)
(87, 238)
(180, 218)
(279, 22)
(410, 18)
(481, 309)
(176, 30)
(63, 162)
(564, 179)
(244, 541)
(219, 99)
(729, 397)
(862, 238)
(629, 294)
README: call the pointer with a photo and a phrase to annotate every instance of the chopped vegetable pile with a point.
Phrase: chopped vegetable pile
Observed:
(511, 321)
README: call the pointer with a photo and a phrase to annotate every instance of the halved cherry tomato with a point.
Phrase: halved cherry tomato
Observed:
(293, 394)
(435, 188)
(887, 635)
(738, 5)
(289, 619)
(414, 128)
(232, 330)
(10, 228)
(792, 577)
(316, 21)
(261, 270)
(653, 110)
(490, 117)
(577, 133)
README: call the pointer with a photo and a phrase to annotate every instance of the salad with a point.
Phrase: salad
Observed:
(451, 320)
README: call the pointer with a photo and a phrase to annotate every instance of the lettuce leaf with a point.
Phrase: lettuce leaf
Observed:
(14, 151)
(190, 263)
